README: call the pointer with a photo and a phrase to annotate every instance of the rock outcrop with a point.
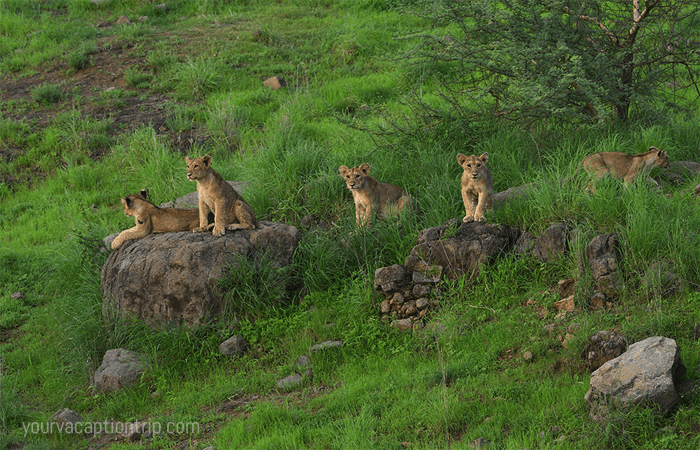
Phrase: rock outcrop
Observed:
(172, 278)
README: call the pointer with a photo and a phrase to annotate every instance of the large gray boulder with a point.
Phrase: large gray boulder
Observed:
(646, 374)
(172, 278)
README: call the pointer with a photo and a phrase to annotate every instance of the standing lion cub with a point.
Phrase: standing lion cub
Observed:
(622, 165)
(369, 193)
(231, 212)
(477, 186)
(151, 219)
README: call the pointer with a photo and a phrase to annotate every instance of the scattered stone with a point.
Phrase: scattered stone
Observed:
(422, 303)
(275, 83)
(66, 415)
(163, 7)
(123, 20)
(424, 273)
(480, 443)
(303, 362)
(602, 347)
(290, 382)
(402, 324)
(598, 301)
(143, 19)
(326, 345)
(527, 356)
(421, 290)
(119, 368)
(235, 345)
(566, 304)
(566, 287)
(644, 375)
(17, 295)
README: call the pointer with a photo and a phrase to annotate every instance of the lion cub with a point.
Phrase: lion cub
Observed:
(151, 219)
(231, 212)
(622, 165)
(477, 186)
(369, 193)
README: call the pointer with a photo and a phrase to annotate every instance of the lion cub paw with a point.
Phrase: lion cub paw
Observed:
(468, 219)
(218, 232)
(199, 230)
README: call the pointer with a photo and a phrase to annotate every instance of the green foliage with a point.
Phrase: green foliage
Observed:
(199, 77)
(47, 94)
(561, 61)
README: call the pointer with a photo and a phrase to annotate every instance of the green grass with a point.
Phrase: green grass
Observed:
(461, 378)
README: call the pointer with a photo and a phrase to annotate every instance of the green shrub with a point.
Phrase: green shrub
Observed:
(47, 94)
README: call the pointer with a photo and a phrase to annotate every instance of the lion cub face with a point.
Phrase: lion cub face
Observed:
(661, 158)
(134, 203)
(197, 168)
(473, 165)
(355, 177)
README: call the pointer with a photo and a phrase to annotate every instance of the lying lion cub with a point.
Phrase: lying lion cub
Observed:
(231, 212)
(151, 219)
(477, 186)
(622, 165)
(369, 193)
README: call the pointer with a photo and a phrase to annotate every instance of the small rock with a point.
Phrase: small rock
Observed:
(527, 355)
(123, 20)
(66, 415)
(480, 443)
(402, 324)
(290, 382)
(143, 19)
(162, 7)
(326, 345)
(597, 301)
(275, 83)
(303, 362)
(17, 295)
(235, 345)
(422, 303)
(565, 305)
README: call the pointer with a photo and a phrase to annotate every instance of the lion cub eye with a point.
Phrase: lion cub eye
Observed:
(469, 165)
(478, 165)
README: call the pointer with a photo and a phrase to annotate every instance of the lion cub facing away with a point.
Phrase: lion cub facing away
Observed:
(477, 186)
(151, 219)
(622, 165)
(231, 212)
(369, 193)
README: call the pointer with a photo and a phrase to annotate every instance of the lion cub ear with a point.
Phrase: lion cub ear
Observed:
(144, 193)
(127, 201)
(461, 158)
(206, 159)
(484, 157)
(343, 170)
(364, 168)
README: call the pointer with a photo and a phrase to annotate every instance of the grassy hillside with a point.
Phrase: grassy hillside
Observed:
(91, 110)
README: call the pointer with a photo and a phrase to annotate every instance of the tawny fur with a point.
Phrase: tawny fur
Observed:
(477, 186)
(371, 195)
(624, 166)
(151, 219)
(231, 212)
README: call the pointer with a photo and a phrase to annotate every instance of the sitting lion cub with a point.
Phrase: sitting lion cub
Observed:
(151, 219)
(477, 186)
(369, 193)
(622, 165)
(231, 212)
